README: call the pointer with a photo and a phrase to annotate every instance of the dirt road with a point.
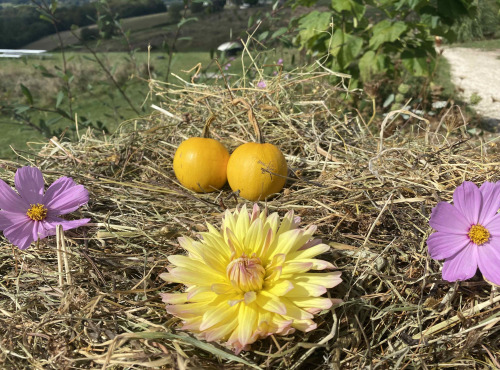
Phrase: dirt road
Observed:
(476, 71)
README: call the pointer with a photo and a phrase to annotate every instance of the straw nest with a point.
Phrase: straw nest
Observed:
(368, 183)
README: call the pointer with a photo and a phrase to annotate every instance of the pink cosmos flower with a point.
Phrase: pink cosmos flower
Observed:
(33, 215)
(468, 233)
(280, 61)
(262, 84)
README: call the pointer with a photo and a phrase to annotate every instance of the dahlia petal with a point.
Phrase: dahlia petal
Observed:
(443, 245)
(195, 266)
(189, 277)
(448, 219)
(254, 237)
(307, 302)
(463, 265)
(294, 311)
(494, 226)
(20, 233)
(270, 302)
(199, 293)
(311, 243)
(222, 330)
(214, 315)
(10, 201)
(304, 325)
(67, 200)
(489, 261)
(468, 199)
(316, 264)
(292, 268)
(280, 288)
(328, 280)
(222, 288)
(310, 252)
(242, 224)
(247, 323)
(173, 298)
(302, 289)
(491, 201)
(29, 184)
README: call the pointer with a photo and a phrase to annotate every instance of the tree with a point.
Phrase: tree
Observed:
(368, 37)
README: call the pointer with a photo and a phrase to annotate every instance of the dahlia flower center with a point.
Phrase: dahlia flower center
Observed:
(37, 212)
(246, 273)
(478, 234)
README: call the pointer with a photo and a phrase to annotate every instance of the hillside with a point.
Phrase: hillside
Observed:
(155, 30)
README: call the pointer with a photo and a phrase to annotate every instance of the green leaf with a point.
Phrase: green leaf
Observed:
(351, 6)
(386, 32)
(45, 18)
(279, 32)
(312, 25)
(345, 47)
(417, 63)
(371, 64)
(186, 20)
(60, 97)
(26, 92)
(263, 35)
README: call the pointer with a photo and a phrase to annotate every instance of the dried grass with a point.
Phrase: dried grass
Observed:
(369, 186)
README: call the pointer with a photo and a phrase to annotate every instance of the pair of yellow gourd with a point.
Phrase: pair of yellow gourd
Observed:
(256, 170)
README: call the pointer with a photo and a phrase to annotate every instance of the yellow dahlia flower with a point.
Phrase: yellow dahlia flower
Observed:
(251, 279)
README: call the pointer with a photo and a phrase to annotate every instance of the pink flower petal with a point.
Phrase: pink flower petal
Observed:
(448, 219)
(468, 199)
(65, 196)
(10, 218)
(462, 265)
(20, 233)
(443, 245)
(491, 201)
(29, 184)
(10, 201)
(494, 226)
(489, 260)
(51, 222)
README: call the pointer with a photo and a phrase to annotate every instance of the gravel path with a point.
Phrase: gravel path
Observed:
(477, 71)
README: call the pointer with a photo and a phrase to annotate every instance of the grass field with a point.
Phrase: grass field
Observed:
(95, 98)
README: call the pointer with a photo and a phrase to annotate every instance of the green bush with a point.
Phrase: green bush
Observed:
(392, 39)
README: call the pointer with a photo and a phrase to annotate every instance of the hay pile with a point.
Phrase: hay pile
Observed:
(368, 185)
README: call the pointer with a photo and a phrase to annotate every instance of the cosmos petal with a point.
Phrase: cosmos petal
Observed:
(29, 184)
(467, 199)
(448, 219)
(494, 225)
(10, 218)
(20, 233)
(463, 265)
(491, 201)
(66, 200)
(10, 201)
(489, 261)
(443, 245)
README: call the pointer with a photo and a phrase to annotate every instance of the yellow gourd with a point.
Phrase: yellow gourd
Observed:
(256, 170)
(200, 163)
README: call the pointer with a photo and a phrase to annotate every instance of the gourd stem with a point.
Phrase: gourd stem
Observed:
(251, 116)
(206, 129)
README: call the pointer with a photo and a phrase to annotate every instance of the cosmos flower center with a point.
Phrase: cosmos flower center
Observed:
(478, 234)
(246, 273)
(37, 212)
